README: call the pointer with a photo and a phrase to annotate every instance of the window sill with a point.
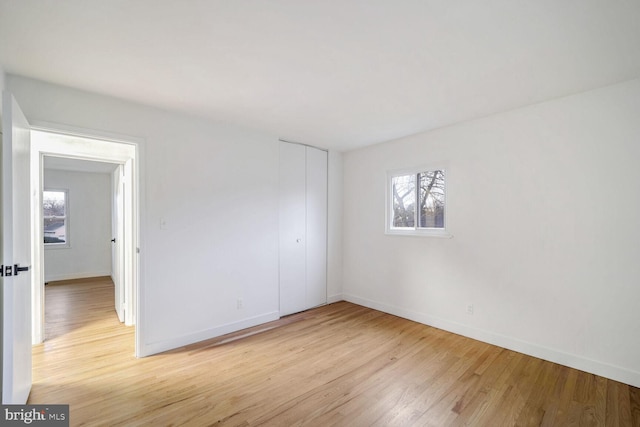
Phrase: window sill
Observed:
(420, 233)
(48, 246)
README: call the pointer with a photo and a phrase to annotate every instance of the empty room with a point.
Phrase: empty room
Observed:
(349, 213)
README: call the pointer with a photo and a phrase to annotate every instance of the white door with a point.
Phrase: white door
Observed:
(129, 245)
(117, 252)
(16, 255)
(316, 227)
(292, 228)
(303, 227)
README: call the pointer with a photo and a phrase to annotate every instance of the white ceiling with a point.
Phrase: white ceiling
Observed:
(339, 74)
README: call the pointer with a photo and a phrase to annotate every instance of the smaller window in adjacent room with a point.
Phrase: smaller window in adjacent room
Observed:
(56, 221)
(417, 202)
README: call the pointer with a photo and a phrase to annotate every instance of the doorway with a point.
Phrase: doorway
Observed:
(120, 155)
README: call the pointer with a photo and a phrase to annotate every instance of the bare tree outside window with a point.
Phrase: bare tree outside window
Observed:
(428, 189)
(54, 209)
(431, 211)
(404, 200)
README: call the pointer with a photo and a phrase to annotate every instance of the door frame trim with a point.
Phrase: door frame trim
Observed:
(121, 155)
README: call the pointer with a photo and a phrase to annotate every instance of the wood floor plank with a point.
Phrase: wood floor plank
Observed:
(634, 405)
(340, 364)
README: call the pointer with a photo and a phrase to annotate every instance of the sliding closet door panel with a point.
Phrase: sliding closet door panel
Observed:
(316, 227)
(292, 228)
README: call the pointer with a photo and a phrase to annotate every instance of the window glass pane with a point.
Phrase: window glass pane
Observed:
(54, 213)
(431, 204)
(403, 189)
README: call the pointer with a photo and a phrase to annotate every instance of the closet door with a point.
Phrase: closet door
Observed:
(292, 228)
(316, 227)
(303, 228)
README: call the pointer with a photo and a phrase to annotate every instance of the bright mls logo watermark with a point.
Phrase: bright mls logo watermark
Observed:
(35, 415)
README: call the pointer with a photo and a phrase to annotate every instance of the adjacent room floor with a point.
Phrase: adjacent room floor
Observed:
(340, 364)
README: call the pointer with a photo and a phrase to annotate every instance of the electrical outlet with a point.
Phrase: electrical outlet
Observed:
(240, 303)
(470, 309)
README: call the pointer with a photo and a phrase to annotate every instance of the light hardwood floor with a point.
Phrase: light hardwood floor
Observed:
(340, 364)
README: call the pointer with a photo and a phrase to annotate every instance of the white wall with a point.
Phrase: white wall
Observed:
(544, 207)
(334, 229)
(89, 211)
(2, 85)
(216, 187)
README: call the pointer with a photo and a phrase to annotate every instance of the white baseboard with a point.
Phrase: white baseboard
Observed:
(602, 369)
(73, 276)
(334, 298)
(173, 343)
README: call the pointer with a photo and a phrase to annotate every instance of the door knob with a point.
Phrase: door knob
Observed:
(17, 269)
(113, 240)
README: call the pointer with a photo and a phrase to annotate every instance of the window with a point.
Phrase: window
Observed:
(56, 223)
(416, 203)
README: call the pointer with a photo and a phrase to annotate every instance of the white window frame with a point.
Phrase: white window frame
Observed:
(67, 242)
(416, 231)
